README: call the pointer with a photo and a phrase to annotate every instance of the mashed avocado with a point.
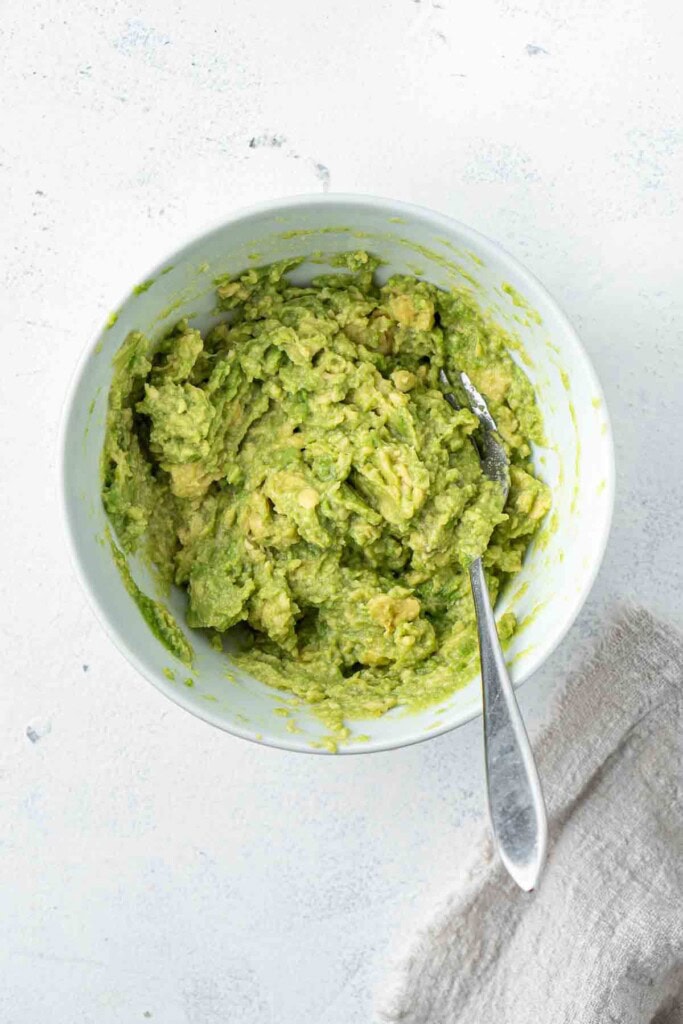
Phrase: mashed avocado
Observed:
(297, 469)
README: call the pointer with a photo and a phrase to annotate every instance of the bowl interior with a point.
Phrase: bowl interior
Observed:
(577, 463)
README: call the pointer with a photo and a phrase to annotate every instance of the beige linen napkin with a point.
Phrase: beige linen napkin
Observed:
(601, 940)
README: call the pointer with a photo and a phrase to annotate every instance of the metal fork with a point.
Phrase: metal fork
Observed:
(515, 799)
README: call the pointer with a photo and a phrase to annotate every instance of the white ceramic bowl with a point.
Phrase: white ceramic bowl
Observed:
(578, 464)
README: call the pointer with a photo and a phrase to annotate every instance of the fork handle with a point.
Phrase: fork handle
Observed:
(515, 799)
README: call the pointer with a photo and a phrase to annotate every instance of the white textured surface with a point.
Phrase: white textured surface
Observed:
(150, 865)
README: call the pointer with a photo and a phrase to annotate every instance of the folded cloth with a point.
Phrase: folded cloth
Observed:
(601, 940)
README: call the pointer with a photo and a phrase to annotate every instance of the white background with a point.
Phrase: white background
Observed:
(151, 867)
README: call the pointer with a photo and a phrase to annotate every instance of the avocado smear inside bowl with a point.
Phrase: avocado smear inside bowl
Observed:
(272, 504)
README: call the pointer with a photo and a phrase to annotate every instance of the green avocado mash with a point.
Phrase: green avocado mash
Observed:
(297, 469)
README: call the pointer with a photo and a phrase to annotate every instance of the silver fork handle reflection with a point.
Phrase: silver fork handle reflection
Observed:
(515, 799)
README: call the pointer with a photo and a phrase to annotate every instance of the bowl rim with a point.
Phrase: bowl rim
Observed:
(445, 223)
